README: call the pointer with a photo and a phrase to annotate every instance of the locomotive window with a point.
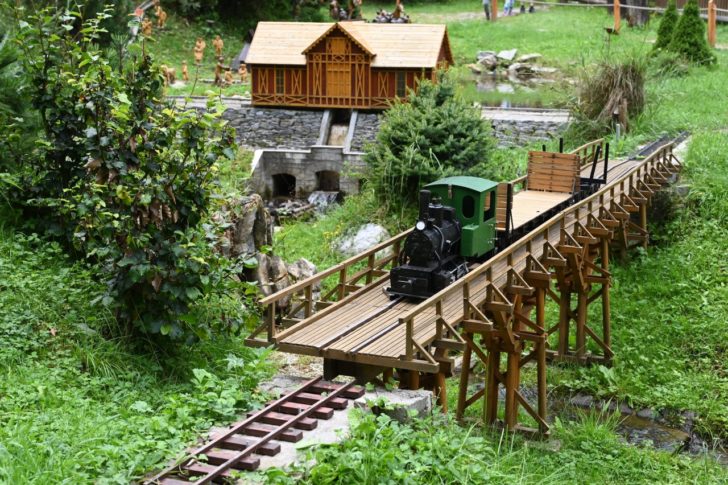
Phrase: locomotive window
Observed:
(468, 206)
(489, 209)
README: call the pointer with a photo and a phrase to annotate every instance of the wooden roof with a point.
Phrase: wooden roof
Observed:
(392, 45)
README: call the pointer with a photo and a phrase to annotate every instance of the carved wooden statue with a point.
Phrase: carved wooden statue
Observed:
(218, 44)
(146, 27)
(243, 72)
(199, 50)
(161, 17)
(185, 72)
(169, 74)
(219, 68)
(228, 77)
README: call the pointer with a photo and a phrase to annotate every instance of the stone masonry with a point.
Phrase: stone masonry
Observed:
(522, 127)
(305, 166)
(367, 127)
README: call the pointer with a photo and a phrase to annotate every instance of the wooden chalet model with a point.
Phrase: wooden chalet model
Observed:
(342, 65)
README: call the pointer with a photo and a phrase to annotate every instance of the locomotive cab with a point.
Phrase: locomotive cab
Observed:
(456, 222)
(474, 201)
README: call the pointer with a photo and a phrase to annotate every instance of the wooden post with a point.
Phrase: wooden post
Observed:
(564, 310)
(581, 314)
(606, 311)
(490, 408)
(512, 382)
(464, 375)
(387, 374)
(414, 380)
(711, 23)
(617, 16)
(541, 356)
(643, 224)
(493, 10)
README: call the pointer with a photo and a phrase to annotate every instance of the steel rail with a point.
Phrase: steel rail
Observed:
(234, 430)
(274, 433)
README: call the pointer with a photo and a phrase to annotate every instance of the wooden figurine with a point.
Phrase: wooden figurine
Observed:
(169, 74)
(243, 72)
(161, 17)
(228, 78)
(185, 72)
(146, 27)
(218, 44)
(398, 16)
(199, 50)
(219, 67)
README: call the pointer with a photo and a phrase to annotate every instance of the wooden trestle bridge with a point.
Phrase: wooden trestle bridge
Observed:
(497, 312)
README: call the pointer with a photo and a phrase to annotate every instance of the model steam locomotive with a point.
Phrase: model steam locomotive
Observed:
(456, 223)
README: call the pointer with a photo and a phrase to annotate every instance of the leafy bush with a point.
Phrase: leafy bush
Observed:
(430, 135)
(689, 39)
(667, 26)
(130, 175)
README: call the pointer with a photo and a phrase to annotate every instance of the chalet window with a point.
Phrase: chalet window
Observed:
(280, 82)
(401, 84)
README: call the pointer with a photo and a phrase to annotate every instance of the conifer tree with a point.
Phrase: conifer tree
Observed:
(667, 26)
(689, 40)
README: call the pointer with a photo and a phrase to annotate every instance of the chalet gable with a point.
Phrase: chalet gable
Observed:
(341, 27)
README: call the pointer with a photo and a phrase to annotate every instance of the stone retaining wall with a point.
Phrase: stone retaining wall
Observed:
(523, 127)
(367, 127)
(274, 128)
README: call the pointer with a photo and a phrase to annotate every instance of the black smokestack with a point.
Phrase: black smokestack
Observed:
(425, 198)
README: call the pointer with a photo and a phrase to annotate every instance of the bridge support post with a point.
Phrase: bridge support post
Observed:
(505, 327)
(582, 250)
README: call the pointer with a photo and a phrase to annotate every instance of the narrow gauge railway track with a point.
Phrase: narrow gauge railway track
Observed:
(281, 420)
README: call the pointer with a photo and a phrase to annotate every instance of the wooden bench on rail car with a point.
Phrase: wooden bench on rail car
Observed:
(551, 180)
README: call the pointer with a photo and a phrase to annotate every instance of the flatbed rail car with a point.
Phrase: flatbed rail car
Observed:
(360, 331)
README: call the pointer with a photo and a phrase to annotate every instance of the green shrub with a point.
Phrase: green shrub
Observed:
(430, 135)
(689, 39)
(130, 176)
(667, 26)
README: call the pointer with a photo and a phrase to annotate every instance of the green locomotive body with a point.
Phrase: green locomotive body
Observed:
(474, 201)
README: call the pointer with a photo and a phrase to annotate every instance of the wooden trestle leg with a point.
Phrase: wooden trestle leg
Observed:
(504, 327)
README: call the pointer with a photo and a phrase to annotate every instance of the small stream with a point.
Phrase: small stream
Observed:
(642, 427)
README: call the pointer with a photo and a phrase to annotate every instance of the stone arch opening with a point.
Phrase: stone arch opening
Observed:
(284, 185)
(327, 180)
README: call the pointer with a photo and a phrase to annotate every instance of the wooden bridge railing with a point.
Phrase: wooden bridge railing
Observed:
(532, 253)
(297, 302)
(587, 151)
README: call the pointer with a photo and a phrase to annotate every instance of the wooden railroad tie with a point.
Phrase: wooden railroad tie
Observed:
(281, 420)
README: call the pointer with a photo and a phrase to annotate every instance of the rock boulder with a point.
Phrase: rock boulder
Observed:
(365, 237)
